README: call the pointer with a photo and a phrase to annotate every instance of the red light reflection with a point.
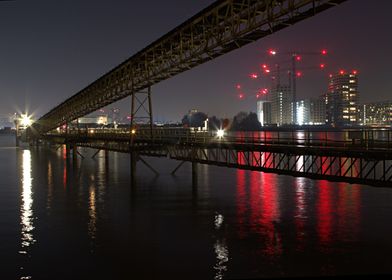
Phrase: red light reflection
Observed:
(324, 211)
(241, 202)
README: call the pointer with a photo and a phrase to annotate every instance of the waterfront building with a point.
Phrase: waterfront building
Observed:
(303, 111)
(377, 113)
(264, 112)
(342, 99)
(97, 120)
(317, 111)
(311, 111)
(281, 105)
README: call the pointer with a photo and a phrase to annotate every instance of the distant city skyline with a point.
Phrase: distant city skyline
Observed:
(52, 50)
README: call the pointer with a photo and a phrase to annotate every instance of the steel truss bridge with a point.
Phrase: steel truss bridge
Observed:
(354, 156)
(222, 27)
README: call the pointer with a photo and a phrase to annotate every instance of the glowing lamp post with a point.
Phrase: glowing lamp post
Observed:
(25, 120)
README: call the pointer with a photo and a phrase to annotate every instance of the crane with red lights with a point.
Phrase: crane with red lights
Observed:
(295, 57)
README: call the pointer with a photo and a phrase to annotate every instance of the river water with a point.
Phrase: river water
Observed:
(84, 220)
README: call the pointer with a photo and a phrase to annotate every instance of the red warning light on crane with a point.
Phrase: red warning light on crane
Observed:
(272, 52)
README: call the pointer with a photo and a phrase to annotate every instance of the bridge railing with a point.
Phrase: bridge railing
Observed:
(378, 138)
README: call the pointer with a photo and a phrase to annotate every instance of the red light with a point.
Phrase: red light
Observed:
(299, 74)
(264, 66)
(253, 76)
(330, 75)
(241, 96)
(238, 86)
(341, 72)
(257, 95)
(267, 71)
(272, 52)
(322, 65)
(324, 52)
(355, 72)
(298, 58)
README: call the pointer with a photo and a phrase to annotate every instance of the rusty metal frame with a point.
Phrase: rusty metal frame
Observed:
(352, 169)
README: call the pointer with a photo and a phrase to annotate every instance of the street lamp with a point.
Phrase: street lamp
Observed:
(25, 120)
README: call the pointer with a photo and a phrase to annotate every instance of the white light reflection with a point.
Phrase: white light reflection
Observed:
(92, 212)
(26, 212)
(301, 198)
(218, 221)
(221, 250)
(222, 257)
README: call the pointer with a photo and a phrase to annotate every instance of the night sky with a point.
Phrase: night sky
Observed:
(49, 50)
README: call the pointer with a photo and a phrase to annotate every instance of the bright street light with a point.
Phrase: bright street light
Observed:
(25, 120)
(220, 133)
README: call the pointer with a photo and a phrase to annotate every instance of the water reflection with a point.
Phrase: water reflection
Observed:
(300, 214)
(258, 210)
(26, 212)
(50, 186)
(324, 217)
(270, 212)
(242, 203)
(221, 249)
(92, 213)
(348, 210)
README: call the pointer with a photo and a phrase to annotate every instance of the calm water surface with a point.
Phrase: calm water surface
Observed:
(65, 220)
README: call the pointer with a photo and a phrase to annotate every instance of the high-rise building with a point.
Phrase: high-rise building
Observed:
(317, 110)
(342, 99)
(281, 99)
(303, 111)
(264, 112)
(311, 111)
(377, 113)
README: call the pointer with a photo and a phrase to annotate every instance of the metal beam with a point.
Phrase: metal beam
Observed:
(222, 27)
